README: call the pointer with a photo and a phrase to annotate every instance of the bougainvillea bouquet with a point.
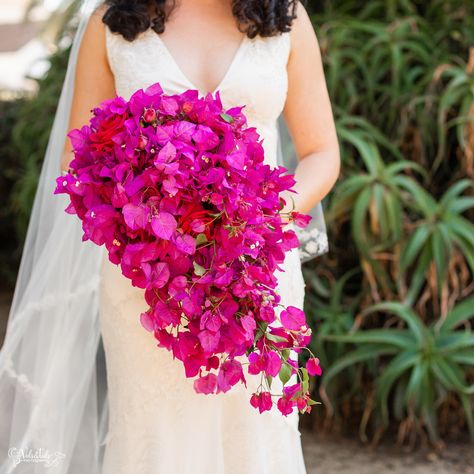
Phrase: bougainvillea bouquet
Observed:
(177, 190)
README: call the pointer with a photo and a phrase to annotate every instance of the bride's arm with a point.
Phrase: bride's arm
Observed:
(94, 81)
(309, 118)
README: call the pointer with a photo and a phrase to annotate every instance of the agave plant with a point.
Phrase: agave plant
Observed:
(331, 313)
(347, 75)
(442, 231)
(457, 94)
(374, 200)
(385, 65)
(443, 13)
(399, 55)
(425, 363)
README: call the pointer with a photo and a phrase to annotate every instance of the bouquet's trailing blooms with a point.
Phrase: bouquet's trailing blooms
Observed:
(177, 190)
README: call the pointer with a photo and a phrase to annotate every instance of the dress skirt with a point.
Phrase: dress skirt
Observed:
(158, 424)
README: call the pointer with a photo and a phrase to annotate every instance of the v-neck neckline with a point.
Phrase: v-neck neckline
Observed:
(219, 86)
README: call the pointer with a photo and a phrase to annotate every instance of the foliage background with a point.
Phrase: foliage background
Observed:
(392, 303)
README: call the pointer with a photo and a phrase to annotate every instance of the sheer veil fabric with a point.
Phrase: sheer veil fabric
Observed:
(50, 402)
(53, 391)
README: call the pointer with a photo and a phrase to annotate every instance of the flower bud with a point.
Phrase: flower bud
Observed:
(142, 142)
(149, 115)
(187, 107)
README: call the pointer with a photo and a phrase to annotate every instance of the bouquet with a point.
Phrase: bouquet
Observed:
(177, 190)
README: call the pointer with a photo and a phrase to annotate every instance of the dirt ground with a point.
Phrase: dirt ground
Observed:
(326, 455)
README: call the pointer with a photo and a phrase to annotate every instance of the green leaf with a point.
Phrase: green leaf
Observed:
(455, 190)
(394, 370)
(274, 338)
(403, 311)
(305, 381)
(201, 239)
(427, 403)
(451, 376)
(285, 353)
(449, 344)
(198, 269)
(461, 204)
(463, 357)
(360, 354)
(414, 384)
(462, 312)
(397, 337)
(285, 373)
(421, 199)
(359, 216)
(468, 412)
(227, 118)
(413, 246)
(439, 254)
(393, 213)
(305, 373)
(419, 275)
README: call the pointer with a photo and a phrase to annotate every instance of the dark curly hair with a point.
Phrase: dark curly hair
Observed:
(254, 17)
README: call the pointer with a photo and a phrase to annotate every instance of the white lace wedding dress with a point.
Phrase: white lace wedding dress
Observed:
(157, 423)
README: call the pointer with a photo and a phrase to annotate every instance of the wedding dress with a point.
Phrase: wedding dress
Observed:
(157, 423)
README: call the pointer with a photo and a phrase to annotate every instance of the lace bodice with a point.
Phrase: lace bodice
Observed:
(257, 76)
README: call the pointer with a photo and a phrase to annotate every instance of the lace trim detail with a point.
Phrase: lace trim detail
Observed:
(47, 302)
(53, 300)
(263, 64)
(313, 243)
(22, 379)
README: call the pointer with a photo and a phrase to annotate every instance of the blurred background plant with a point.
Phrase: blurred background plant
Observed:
(26, 120)
(392, 303)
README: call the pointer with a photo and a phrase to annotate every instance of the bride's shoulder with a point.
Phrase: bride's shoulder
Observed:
(302, 19)
(96, 37)
(302, 34)
(97, 14)
(93, 58)
(94, 32)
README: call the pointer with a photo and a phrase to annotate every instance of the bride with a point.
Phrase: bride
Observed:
(59, 411)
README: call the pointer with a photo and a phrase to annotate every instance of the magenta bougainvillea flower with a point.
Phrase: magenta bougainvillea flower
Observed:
(177, 190)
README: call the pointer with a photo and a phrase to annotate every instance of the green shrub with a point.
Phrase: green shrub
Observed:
(401, 260)
(24, 132)
(10, 249)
